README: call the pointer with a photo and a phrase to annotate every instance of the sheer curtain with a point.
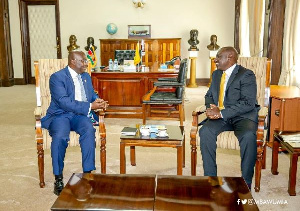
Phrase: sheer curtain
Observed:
(252, 19)
(290, 73)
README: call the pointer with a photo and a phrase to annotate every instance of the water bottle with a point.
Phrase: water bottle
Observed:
(116, 64)
(110, 64)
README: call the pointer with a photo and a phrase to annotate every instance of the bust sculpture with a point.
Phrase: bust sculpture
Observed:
(193, 41)
(90, 42)
(73, 46)
(213, 46)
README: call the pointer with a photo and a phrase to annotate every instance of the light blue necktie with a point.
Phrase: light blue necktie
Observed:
(82, 91)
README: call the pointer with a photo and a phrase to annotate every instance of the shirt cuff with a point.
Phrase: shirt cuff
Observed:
(90, 108)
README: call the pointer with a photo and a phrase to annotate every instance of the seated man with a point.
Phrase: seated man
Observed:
(230, 105)
(72, 99)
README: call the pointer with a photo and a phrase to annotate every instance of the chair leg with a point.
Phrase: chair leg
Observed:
(181, 115)
(40, 152)
(103, 156)
(193, 156)
(144, 108)
(264, 157)
(258, 166)
(257, 175)
(102, 133)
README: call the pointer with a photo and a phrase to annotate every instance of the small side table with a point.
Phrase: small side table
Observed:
(290, 142)
(176, 139)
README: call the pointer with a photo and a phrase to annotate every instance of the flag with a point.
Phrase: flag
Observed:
(137, 57)
(92, 56)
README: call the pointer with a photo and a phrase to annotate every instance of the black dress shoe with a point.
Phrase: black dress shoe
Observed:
(58, 186)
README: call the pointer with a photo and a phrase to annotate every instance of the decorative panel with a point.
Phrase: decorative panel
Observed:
(42, 30)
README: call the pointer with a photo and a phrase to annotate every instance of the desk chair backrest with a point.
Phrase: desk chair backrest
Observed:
(182, 71)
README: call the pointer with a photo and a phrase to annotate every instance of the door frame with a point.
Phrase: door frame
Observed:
(25, 38)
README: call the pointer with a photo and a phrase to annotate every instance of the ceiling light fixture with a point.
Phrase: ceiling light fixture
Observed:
(139, 3)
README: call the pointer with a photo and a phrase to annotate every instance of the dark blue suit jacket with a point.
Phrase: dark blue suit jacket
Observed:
(240, 94)
(63, 101)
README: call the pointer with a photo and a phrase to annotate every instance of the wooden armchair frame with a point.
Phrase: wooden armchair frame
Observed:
(261, 144)
(43, 140)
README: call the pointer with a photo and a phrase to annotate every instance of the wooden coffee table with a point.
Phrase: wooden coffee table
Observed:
(202, 193)
(176, 139)
(107, 192)
(154, 192)
(294, 151)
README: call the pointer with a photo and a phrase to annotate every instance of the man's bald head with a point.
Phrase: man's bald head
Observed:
(77, 61)
(231, 52)
(226, 57)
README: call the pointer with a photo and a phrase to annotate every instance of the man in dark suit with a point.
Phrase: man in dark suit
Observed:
(72, 100)
(235, 108)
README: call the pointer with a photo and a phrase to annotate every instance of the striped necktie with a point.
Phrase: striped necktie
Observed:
(221, 93)
(82, 91)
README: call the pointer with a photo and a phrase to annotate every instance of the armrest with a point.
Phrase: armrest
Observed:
(38, 113)
(102, 129)
(38, 128)
(262, 114)
(195, 114)
(147, 96)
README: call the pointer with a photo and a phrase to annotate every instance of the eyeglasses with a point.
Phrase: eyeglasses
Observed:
(84, 61)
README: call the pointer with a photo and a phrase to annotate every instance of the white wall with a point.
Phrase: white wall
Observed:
(168, 19)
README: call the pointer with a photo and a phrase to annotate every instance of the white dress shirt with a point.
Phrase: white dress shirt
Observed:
(76, 82)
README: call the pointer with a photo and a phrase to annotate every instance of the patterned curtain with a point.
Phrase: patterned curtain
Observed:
(252, 19)
(290, 73)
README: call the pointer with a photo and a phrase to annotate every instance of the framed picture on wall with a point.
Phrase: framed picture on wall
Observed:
(139, 31)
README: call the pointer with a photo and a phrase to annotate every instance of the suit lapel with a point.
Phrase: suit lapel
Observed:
(70, 80)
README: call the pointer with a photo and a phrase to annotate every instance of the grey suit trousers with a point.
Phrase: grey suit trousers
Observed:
(244, 130)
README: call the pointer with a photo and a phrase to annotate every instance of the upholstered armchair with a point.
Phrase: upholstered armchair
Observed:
(43, 70)
(170, 95)
(261, 67)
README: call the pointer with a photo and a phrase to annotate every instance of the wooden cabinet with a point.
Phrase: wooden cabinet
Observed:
(157, 51)
(284, 110)
(124, 91)
(6, 65)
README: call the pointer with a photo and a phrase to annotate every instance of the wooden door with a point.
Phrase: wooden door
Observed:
(6, 65)
(39, 43)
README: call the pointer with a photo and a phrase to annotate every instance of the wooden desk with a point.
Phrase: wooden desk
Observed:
(176, 139)
(141, 192)
(294, 151)
(284, 110)
(124, 91)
